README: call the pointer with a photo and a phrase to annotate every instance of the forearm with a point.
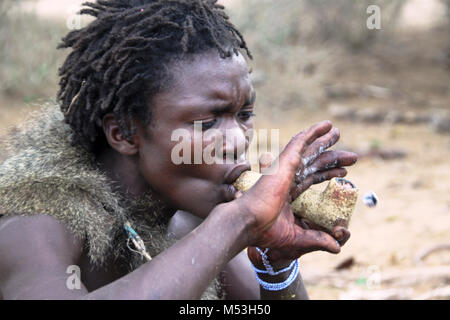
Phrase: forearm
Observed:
(237, 278)
(186, 269)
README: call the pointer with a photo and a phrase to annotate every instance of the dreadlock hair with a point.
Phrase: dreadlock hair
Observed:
(119, 61)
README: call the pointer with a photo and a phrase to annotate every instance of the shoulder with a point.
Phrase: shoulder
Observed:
(39, 232)
(34, 248)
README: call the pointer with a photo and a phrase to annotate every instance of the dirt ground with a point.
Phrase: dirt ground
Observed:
(413, 213)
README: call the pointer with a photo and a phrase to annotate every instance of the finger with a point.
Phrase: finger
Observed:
(286, 165)
(328, 160)
(320, 145)
(316, 178)
(265, 161)
(300, 142)
(341, 234)
(314, 240)
(316, 131)
(290, 159)
(308, 225)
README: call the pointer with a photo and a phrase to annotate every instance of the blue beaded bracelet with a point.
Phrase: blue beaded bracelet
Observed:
(280, 285)
(274, 273)
(265, 260)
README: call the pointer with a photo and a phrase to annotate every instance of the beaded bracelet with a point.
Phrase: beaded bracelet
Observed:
(280, 285)
(265, 260)
(274, 273)
(268, 266)
(269, 270)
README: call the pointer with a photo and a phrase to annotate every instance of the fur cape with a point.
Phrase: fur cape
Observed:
(44, 173)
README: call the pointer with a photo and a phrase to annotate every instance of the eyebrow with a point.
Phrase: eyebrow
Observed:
(223, 109)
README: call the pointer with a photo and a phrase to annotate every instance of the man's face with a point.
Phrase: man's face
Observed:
(218, 94)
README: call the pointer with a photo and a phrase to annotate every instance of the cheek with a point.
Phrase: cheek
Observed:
(185, 186)
(155, 161)
(189, 149)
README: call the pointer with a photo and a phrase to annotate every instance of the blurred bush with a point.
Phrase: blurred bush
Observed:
(297, 45)
(289, 22)
(302, 41)
(28, 56)
(304, 46)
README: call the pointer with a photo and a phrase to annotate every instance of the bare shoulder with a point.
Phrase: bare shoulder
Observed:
(34, 249)
(39, 235)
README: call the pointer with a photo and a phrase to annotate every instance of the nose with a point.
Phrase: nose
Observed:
(235, 143)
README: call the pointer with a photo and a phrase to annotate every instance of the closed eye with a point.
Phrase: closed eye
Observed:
(246, 115)
(208, 124)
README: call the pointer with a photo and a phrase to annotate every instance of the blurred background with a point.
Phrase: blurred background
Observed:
(387, 89)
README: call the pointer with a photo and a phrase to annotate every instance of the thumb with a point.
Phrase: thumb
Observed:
(265, 161)
(315, 240)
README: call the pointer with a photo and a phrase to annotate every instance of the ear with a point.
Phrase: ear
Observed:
(116, 139)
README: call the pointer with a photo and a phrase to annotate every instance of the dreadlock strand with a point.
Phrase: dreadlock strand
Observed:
(96, 6)
(121, 71)
(107, 102)
(126, 86)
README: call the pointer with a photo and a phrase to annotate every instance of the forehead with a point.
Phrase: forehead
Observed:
(205, 79)
(209, 69)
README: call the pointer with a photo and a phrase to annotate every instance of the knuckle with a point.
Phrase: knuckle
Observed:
(299, 140)
(293, 160)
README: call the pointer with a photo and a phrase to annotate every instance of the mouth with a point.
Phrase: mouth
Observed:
(236, 171)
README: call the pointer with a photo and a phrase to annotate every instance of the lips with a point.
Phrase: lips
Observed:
(236, 171)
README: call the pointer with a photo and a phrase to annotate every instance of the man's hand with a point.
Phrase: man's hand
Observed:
(304, 161)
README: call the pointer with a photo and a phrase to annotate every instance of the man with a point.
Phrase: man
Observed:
(79, 193)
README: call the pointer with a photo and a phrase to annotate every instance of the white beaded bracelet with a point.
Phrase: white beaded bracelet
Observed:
(279, 285)
(269, 270)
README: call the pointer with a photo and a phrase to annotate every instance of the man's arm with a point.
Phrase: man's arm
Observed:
(238, 278)
(36, 252)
